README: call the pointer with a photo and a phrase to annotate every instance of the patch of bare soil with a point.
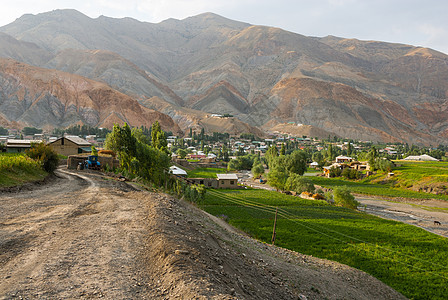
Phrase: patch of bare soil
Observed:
(88, 236)
(431, 215)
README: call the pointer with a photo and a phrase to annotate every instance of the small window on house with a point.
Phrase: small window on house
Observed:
(232, 182)
(62, 141)
(201, 182)
(222, 181)
(209, 183)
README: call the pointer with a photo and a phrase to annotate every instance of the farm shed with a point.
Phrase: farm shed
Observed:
(227, 181)
(70, 145)
(17, 146)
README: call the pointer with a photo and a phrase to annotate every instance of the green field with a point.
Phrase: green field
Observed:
(206, 172)
(411, 172)
(407, 175)
(16, 169)
(407, 258)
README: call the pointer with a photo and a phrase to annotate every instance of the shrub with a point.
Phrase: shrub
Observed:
(343, 197)
(94, 151)
(47, 157)
(257, 170)
(350, 173)
(299, 184)
(335, 172)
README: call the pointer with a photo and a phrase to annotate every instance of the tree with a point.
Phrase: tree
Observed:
(158, 137)
(3, 131)
(94, 151)
(45, 155)
(282, 150)
(350, 173)
(182, 153)
(257, 170)
(240, 151)
(331, 154)
(31, 130)
(241, 163)
(343, 197)
(299, 184)
(335, 172)
(122, 142)
(271, 153)
(278, 173)
(371, 157)
(296, 162)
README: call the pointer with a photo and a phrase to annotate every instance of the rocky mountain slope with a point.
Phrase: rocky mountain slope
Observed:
(48, 98)
(356, 89)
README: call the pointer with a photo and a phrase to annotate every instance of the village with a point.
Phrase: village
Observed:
(216, 151)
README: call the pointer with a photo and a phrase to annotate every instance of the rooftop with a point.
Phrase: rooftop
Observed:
(227, 176)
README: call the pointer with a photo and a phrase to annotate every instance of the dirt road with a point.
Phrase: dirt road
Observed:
(74, 237)
(421, 213)
(84, 236)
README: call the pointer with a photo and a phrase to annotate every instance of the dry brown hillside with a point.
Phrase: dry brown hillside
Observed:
(48, 98)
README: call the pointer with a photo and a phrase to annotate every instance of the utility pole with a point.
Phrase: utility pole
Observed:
(275, 222)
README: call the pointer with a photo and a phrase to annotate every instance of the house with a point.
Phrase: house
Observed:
(343, 159)
(314, 165)
(178, 171)
(17, 146)
(227, 181)
(423, 157)
(196, 156)
(70, 145)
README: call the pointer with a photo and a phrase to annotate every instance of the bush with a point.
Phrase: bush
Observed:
(47, 157)
(350, 173)
(257, 170)
(335, 172)
(343, 197)
(299, 184)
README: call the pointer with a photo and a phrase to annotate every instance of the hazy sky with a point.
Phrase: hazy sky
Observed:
(415, 22)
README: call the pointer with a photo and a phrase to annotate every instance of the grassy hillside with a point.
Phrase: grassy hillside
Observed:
(409, 259)
(16, 169)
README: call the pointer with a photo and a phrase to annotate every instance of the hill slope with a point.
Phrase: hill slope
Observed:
(46, 98)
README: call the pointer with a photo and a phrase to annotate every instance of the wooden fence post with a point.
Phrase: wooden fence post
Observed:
(275, 222)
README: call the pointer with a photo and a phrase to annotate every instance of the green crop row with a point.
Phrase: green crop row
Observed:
(407, 258)
(16, 169)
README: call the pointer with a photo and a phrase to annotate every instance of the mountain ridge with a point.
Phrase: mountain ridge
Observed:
(208, 63)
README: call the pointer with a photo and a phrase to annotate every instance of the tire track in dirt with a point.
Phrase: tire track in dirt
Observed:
(78, 238)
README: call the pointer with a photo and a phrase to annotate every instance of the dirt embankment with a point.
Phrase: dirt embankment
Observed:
(93, 237)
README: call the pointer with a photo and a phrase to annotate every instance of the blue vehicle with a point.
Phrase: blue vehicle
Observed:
(92, 162)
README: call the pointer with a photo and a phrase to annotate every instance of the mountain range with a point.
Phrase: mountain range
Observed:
(62, 67)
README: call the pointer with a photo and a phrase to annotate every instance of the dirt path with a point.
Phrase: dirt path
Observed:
(77, 237)
(85, 236)
(421, 213)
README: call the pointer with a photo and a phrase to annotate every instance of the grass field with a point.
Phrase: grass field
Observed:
(409, 259)
(205, 172)
(411, 172)
(16, 169)
(408, 174)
